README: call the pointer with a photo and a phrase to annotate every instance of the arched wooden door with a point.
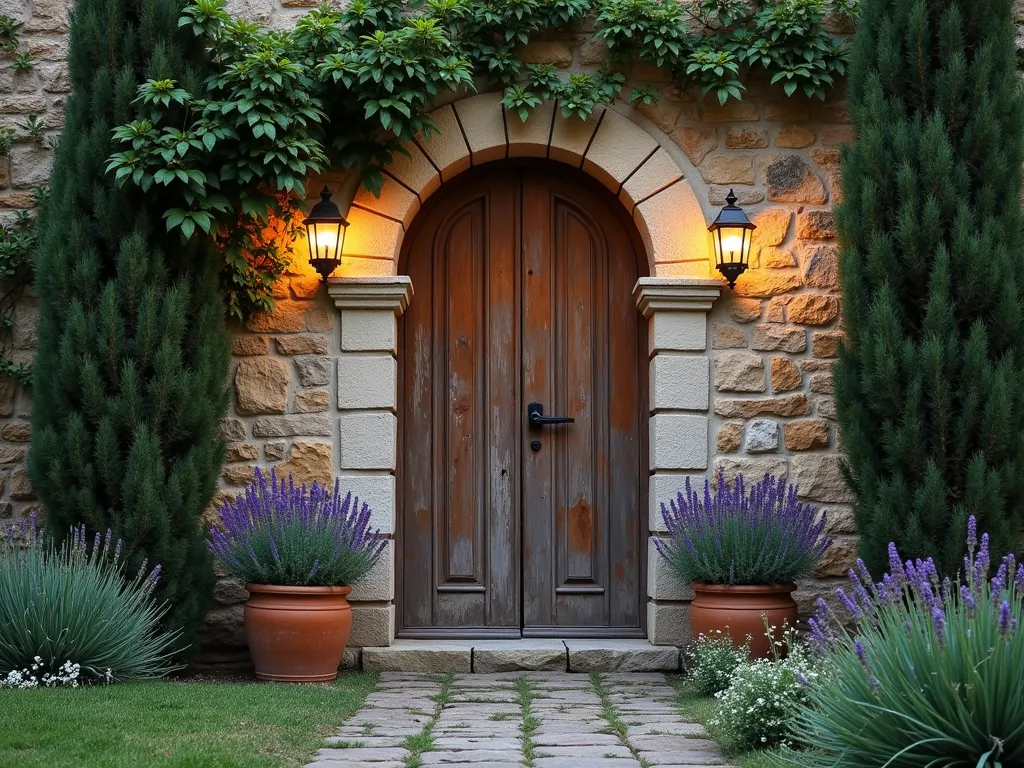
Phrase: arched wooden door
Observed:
(523, 279)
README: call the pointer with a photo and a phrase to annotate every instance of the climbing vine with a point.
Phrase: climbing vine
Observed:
(347, 88)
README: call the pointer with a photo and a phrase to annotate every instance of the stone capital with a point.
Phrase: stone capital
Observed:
(389, 293)
(668, 294)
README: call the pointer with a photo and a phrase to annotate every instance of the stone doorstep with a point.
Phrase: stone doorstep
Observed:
(527, 654)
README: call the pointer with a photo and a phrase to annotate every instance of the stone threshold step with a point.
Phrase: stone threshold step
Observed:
(528, 654)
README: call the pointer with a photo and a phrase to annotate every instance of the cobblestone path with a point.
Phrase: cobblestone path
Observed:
(539, 719)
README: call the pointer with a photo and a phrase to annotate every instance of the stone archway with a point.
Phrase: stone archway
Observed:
(611, 148)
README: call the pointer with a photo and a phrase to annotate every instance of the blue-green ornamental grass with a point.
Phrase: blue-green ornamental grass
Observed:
(758, 536)
(933, 673)
(278, 534)
(71, 607)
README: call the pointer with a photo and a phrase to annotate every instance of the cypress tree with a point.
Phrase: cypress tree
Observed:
(130, 380)
(930, 377)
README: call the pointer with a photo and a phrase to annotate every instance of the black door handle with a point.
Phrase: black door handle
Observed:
(535, 415)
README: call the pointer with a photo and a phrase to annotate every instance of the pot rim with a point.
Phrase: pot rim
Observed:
(744, 589)
(275, 589)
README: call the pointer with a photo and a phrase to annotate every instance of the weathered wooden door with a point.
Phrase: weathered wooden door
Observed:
(523, 281)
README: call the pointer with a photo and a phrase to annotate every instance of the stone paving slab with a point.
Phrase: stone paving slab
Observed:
(513, 719)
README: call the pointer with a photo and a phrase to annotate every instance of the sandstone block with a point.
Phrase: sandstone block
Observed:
(546, 52)
(764, 285)
(313, 371)
(816, 225)
(309, 463)
(729, 436)
(791, 110)
(232, 429)
(776, 312)
(482, 121)
(491, 656)
(839, 558)
(618, 149)
(821, 266)
(679, 381)
(772, 225)
(731, 112)
(274, 451)
(743, 310)
(785, 375)
(593, 51)
(728, 337)
(21, 486)
(794, 137)
(772, 257)
(241, 452)
(762, 436)
(813, 309)
(664, 114)
(820, 478)
(17, 432)
(739, 372)
(789, 405)
(788, 179)
(821, 383)
(678, 441)
(728, 169)
(288, 317)
(746, 138)
(369, 330)
(677, 332)
(658, 172)
(806, 434)
(316, 401)
(249, 346)
(826, 343)
(379, 583)
(308, 286)
(319, 318)
(834, 137)
(826, 408)
(237, 475)
(304, 344)
(373, 625)
(744, 195)
(293, 426)
(779, 338)
(261, 386)
(751, 469)
(377, 490)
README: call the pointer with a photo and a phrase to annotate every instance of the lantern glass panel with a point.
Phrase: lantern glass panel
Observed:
(325, 239)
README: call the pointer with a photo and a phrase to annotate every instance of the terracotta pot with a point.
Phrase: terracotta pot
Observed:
(737, 611)
(297, 634)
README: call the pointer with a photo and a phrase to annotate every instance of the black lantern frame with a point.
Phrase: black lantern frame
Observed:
(732, 232)
(325, 235)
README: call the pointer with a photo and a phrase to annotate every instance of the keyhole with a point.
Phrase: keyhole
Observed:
(535, 445)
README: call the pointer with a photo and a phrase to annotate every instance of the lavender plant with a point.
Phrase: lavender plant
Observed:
(932, 673)
(70, 608)
(757, 536)
(278, 534)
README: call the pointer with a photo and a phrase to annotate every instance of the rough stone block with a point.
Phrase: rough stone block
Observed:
(309, 463)
(819, 477)
(762, 436)
(679, 382)
(369, 330)
(673, 228)
(622, 656)
(438, 656)
(367, 440)
(415, 171)
(291, 426)
(372, 236)
(662, 582)
(373, 626)
(570, 137)
(379, 492)
(668, 623)
(739, 372)
(695, 142)
(679, 441)
(751, 469)
(367, 381)
(789, 405)
(513, 655)
(379, 584)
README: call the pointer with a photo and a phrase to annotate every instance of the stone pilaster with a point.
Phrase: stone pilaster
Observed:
(368, 429)
(680, 388)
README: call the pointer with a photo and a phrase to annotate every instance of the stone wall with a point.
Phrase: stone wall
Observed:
(771, 342)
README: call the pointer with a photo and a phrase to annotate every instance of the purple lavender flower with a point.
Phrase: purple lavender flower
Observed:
(968, 600)
(972, 535)
(939, 623)
(1004, 618)
(1018, 580)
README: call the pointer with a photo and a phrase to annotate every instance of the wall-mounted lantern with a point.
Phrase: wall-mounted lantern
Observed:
(325, 235)
(732, 232)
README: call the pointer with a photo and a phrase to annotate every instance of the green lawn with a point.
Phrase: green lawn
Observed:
(164, 723)
(702, 709)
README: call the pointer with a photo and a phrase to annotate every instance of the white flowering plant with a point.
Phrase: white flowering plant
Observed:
(67, 675)
(711, 660)
(764, 697)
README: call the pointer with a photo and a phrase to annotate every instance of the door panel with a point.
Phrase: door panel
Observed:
(523, 281)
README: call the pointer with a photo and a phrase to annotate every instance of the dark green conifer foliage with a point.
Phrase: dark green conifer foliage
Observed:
(130, 376)
(930, 380)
